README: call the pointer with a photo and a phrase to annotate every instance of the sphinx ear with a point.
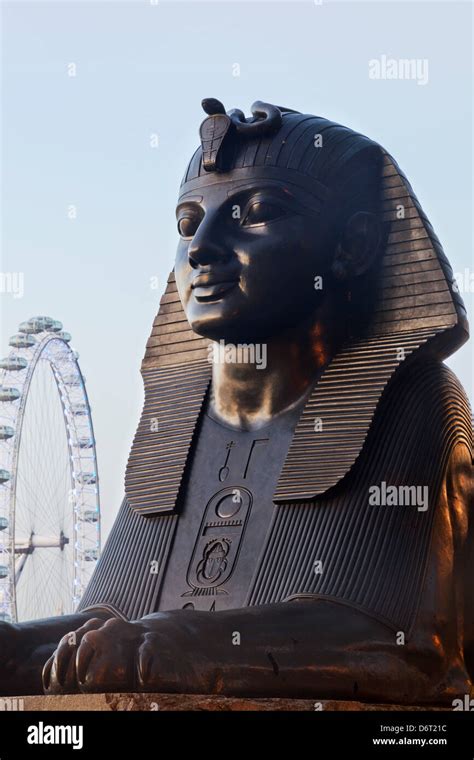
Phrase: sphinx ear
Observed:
(357, 249)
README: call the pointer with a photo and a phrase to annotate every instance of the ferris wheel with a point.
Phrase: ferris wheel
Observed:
(49, 487)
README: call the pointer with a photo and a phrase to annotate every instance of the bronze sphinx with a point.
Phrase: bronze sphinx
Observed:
(296, 519)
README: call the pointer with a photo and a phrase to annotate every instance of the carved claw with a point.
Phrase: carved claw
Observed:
(59, 672)
(146, 660)
(111, 656)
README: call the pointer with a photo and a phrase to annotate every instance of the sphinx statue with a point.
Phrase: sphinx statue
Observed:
(297, 518)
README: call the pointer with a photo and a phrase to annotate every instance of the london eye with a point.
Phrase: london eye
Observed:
(49, 486)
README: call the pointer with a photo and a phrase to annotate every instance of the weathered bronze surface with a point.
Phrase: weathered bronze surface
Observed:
(296, 520)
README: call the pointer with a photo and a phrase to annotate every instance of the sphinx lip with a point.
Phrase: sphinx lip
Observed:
(212, 290)
(213, 278)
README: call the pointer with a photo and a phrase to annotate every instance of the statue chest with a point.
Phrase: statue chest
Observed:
(226, 512)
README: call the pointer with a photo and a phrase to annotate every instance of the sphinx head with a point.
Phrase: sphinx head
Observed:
(279, 219)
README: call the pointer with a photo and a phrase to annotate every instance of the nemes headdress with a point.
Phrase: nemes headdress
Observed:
(416, 309)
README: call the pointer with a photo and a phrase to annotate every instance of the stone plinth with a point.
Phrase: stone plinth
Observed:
(163, 702)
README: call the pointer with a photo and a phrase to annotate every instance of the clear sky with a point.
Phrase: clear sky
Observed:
(141, 69)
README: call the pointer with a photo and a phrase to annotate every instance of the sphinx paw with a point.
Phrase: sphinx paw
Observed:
(97, 657)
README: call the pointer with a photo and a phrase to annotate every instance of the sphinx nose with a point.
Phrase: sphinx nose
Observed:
(204, 248)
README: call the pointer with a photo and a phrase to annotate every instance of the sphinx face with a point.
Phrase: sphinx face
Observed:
(248, 256)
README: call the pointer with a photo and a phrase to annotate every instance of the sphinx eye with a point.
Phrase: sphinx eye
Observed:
(187, 226)
(261, 212)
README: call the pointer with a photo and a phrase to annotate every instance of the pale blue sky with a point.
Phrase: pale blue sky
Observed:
(143, 69)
